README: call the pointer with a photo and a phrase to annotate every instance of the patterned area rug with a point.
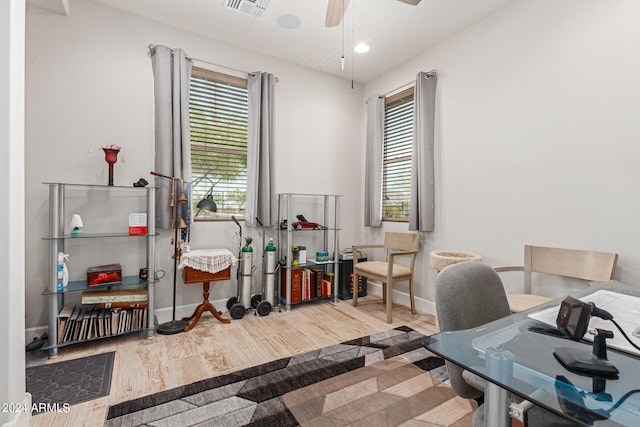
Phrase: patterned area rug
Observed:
(376, 380)
(58, 385)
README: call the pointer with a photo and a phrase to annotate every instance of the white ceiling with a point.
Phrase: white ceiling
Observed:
(395, 31)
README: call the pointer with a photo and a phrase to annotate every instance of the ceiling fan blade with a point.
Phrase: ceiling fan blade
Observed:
(335, 12)
(411, 2)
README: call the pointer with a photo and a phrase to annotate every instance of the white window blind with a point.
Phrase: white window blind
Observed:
(218, 108)
(398, 135)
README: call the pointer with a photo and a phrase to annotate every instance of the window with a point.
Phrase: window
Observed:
(396, 166)
(218, 108)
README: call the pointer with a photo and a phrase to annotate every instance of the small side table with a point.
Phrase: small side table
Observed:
(191, 275)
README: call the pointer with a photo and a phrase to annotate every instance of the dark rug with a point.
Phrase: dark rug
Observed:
(57, 385)
(256, 396)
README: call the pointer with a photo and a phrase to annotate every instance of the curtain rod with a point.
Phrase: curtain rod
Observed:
(427, 75)
(152, 49)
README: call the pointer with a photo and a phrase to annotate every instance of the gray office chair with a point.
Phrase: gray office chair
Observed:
(470, 294)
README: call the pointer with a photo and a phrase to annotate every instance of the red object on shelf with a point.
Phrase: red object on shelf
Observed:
(111, 157)
(296, 284)
(299, 225)
(103, 274)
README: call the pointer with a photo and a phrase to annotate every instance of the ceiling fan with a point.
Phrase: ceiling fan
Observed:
(336, 9)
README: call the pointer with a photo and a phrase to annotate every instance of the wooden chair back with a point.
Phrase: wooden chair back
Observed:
(586, 265)
(401, 242)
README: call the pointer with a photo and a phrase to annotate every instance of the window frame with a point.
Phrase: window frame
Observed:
(197, 146)
(399, 99)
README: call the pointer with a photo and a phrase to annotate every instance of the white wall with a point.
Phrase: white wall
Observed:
(537, 133)
(12, 224)
(89, 83)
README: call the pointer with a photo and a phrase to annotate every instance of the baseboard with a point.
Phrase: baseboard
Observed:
(21, 418)
(166, 314)
(422, 305)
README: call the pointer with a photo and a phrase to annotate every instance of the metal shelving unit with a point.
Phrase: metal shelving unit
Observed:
(292, 204)
(57, 239)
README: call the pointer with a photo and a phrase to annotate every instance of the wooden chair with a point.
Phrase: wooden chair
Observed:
(388, 272)
(589, 266)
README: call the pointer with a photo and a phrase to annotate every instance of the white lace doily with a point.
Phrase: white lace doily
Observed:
(210, 260)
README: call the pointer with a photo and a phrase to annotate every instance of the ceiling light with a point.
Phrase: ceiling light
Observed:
(361, 48)
(289, 22)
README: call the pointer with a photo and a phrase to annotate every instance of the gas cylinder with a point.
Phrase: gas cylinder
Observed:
(246, 270)
(269, 269)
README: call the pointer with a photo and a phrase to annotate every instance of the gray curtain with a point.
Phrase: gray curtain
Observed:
(373, 162)
(260, 148)
(422, 201)
(171, 77)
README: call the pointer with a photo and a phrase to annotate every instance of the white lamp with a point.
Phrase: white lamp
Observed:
(76, 225)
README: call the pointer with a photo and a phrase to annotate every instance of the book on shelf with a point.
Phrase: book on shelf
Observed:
(296, 284)
(70, 326)
(77, 326)
(115, 321)
(113, 296)
(316, 282)
(86, 323)
(100, 322)
(63, 319)
(327, 282)
(93, 323)
(306, 284)
(123, 304)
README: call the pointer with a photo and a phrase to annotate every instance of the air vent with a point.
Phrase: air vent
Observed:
(255, 8)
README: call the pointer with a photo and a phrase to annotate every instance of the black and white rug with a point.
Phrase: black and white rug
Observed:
(56, 386)
(258, 395)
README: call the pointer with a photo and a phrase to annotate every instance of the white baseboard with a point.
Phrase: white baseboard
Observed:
(422, 305)
(166, 314)
(21, 418)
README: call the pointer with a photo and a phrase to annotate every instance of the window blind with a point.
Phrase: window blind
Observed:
(218, 111)
(398, 137)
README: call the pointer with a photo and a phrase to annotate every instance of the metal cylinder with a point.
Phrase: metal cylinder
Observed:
(246, 264)
(269, 268)
(246, 270)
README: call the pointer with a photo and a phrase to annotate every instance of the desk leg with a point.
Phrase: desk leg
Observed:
(205, 306)
(496, 406)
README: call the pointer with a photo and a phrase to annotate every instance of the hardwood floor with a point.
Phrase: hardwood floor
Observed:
(144, 366)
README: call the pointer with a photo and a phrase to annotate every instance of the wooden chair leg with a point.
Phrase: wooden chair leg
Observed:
(389, 301)
(354, 302)
(413, 303)
(384, 293)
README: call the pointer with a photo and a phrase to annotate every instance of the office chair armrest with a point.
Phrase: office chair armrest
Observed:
(509, 268)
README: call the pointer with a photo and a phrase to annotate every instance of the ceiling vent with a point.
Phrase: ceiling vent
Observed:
(255, 8)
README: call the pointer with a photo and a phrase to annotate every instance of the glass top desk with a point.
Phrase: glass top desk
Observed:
(514, 358)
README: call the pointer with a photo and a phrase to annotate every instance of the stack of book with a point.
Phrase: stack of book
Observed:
(307, 283)
(103, 314)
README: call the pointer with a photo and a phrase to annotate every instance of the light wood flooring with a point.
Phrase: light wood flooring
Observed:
(145, 366)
